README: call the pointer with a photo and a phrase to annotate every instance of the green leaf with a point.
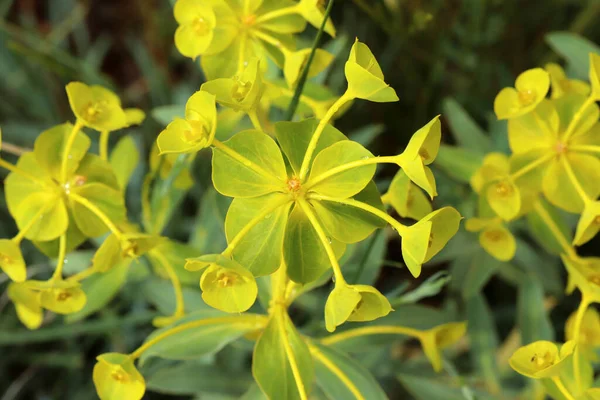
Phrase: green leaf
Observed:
(209, 234)
(466, 131)
(303, 251)
(50, 224)
(107, 200)
(461, 164)
(124, 158)
(214, 331)
(260, 250)
(343, 184)
(575, 49)
(532, 317)
(341, 377)
(431, 287)
(428, 388)
(293, 137)
(350, 224)
(239, 178)
(276, 350)
(484, 341)
(471, 274)
(100, 289)
(542, 233)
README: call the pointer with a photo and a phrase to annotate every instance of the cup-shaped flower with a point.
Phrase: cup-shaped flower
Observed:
(407, 199)
(365, 78)
(59, 296)
(426, 238)
(296, 61)
(96, 107)
(504, 197)
(584, 273)
(542, 359)
(495, 166)
(530, 89)
(562, 85)
(134, 116)
(589, 224)
(494, 237)
(438, 338)
(589, 335)
(116, 378)
(197, 22)
(354, 303)
(11, 260)
(420, 152)
(314, 11)
(27, 304)
(229, 287)
(196, 131)
(595, 75)
(242, 92)
(113, 251)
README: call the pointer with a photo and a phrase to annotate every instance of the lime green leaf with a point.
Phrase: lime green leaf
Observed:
(575, 49)
(48, 213)
(176, 254)
(123, 159)
(314, 12)
(340, 304)
(18, 188)
(108, 201)
(466, 131)
(293, 137)
(261, 171)
(260, 250)
(540, 231)
(93, 169)
(303, 251)
(341, 377)
(295, 62)
(278, 347)
(458, 162)
(343, 184)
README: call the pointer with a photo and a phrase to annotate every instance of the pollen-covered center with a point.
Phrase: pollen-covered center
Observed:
(248, 20)
(560, 148)
(293, 185)
(542, 361)
(130, 249)
(240, 89)
(92, 110)
(201, 26)
(119, 375)
(63, 296)
(503, 189)
(4, 259)
(493, 235)
(226, 279)
(527, 97)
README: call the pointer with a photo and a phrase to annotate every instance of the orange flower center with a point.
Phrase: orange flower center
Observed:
(294, 185)
(527, 97)
(248, 20)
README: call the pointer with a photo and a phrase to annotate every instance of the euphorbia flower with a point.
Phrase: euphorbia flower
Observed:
(59, 296)
(440, 337)
(589, 335)
(354, 303)
(11, 260)
(116, 378)
(530, 89)
(562, 85)
(196, 131)
(96, 107)
(542, 359)
(584, 273)
(494, 237)
(408, 200)
(27, 304)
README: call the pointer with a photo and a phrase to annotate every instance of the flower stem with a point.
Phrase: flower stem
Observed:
(98, 213)
(583, 305)
(314, 140)
(282, 12)
(371, 330)
(337, 270)
(281, 313)
(104, 145)
(255, 120)
(78, 277)
(179, 302)
(318, 355)
(365, 207)
(563, 390)
(62, 254)
(573, 124)
(573, 178)
(558, 235)
(67, 150)
(531, 166)
(19, 171)
(247, 319)
(240, 158)
(348, 166)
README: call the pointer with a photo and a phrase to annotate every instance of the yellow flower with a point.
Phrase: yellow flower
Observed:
(494, 237)
(406, 198)
(589, 336)
(541, 359)
(116, 378)
(562, 85)
(314, 12)
(96, 107)
(112, 251)
(440, 337)
(197, 22)
(11, 260)
(27, 304)
(295, 62)
(354, 303)
(584, 273)
(59, 296)
(530, 89)
(196, 131)
(495, 166)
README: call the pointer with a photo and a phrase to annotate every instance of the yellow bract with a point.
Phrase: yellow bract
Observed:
(440, 337)
(59, 296)
(231, 289)
(196, 131)
(494, 237)
(296, 61)
(406, 198)
(197, 22)
(584, 273)
(495, 166)
(542, 359)
(27, 304)
(589, 335)
(313, 11)
(354, 303)
(96, 107)
(116, 378)
(365, 78)
(504, 197)
(530, 89)
(562, 85)
(11, 260)
(595, 75)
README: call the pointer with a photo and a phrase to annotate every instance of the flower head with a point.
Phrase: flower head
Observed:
(354, 303)
(530, 89)
(562, 85)
(113, 251)
(494, 237)
(365, 78)
(440, 337)
(584, 273)
(407, 199)
(197, 22)
(59, 296)
(27, 304)
(96, 107)
(116, 378)
(541, 359)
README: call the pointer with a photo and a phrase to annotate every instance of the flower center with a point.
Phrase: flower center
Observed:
(542, 361)
(493, 235)
(79, 180)
(63, 296)
(294, 185)
(225, 279)
(424, 154)
(4, 259)
(91, 111)
(527, 97)
(503, 189)
(130, 249)
(240, 89)
(119, 375)
(201, 26)
(595, 279)
(597, 220)
(248, 20)
(198, 133)
(560, 148)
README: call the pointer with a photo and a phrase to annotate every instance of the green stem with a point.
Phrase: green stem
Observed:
(98, 213)
(337, 270)
(282, 12)
(24, 174)
(290, 353)
(62, 254)
(563, 390)
(371, 330)
(78, 277)
(318, 355)
(67, 150)
(314, 140)
(348, 166)
(554, 229)
(104, 145)
(255, 120)
(179, 301)
(304, 75)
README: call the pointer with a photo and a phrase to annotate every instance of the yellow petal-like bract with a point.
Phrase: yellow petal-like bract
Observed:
(96, 107)
(116, 378)
(530, 89)
(440, 337)
(541, 359)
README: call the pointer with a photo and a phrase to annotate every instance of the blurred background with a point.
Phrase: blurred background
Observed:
(441, 56)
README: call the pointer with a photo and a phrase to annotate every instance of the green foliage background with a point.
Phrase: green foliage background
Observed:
(441, 56)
